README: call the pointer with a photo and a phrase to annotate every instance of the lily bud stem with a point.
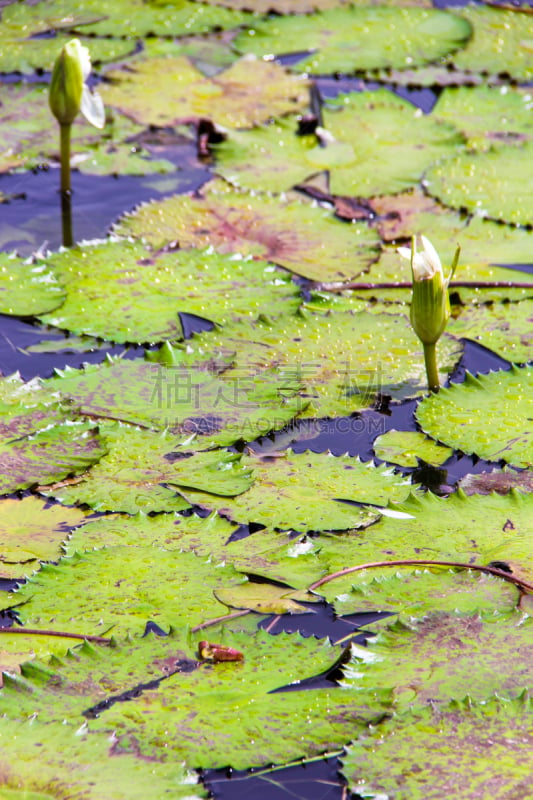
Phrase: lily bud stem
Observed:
(66, 197)
(432, 372)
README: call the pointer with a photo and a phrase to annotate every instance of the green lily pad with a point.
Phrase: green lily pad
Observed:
(143, 468)
(489, 415)
(431, 660)
(166, 586)
(386, 37)
(31, 138)
(344, 359)
(27, 289)
(278, 6)
(504, 328)
(489, 117)
(494, 184)
(304, 239)
(420, 754)
(31, 531)
(205, 536)
(36, 760)
(406, 448)
(164, 91)
(395, 145)
(123, 292)
(24, 48)
(501, 42)
(266, 598)
(43, 445)
(218, 409)
(305, 492)
(415, 593)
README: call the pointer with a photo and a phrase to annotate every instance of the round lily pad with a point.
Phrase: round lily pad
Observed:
(494, 184)
(163, 91)
(123, 292)
(489, 415)
(504, 328)
(500, 44)
(344, 359)
(395, 144)
(304, 239)
(386, 37)
(407, 448)
(420, 754)
(489, 116)
(27, 289)
(310, 492)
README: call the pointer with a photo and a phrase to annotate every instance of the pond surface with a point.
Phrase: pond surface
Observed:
(496, 284)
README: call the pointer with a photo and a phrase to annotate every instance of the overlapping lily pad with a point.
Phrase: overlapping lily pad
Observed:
(505, 328)
(494, 184)
(143, 468)
(489, 415)
(499, 480)
(205, 536)
(431, 660)
(184, 400)
(406, 448)
(424, 753)
(501, 42)
(164, 91)
(32, 531)
(395, 144)
(123, 292)
(307, 240)
(130, 18)
(25, 45)
(27, 289)
(386, 37)
(165, 586)
(40, 762)
(488, 116)
(344, 360)
(415, 593)
(306, 492)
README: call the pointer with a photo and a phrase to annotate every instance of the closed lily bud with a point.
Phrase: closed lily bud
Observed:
(69, 92)
(430, 304)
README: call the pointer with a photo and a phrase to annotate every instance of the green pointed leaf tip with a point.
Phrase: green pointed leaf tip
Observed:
(123, 292)
(421, 754)
(395, 146)
(386, 37)
(489, 415)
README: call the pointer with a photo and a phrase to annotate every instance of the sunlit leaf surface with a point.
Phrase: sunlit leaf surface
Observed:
(386, 37)
(489, 415)
(162, 91)
(408, 447)
(27, 289)
(423, 754)
(304, 239)
(395, 144)
(139, 294)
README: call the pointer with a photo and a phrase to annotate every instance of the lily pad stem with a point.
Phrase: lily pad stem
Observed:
(430, 357)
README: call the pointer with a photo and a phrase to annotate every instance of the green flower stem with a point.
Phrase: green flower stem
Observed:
(66, 205)
(430, 357)
(65, 156)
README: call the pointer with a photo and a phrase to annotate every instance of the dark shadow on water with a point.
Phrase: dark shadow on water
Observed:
(33, 215)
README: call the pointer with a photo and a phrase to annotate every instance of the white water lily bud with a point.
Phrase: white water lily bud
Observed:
(69, 92)
(430, 304)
